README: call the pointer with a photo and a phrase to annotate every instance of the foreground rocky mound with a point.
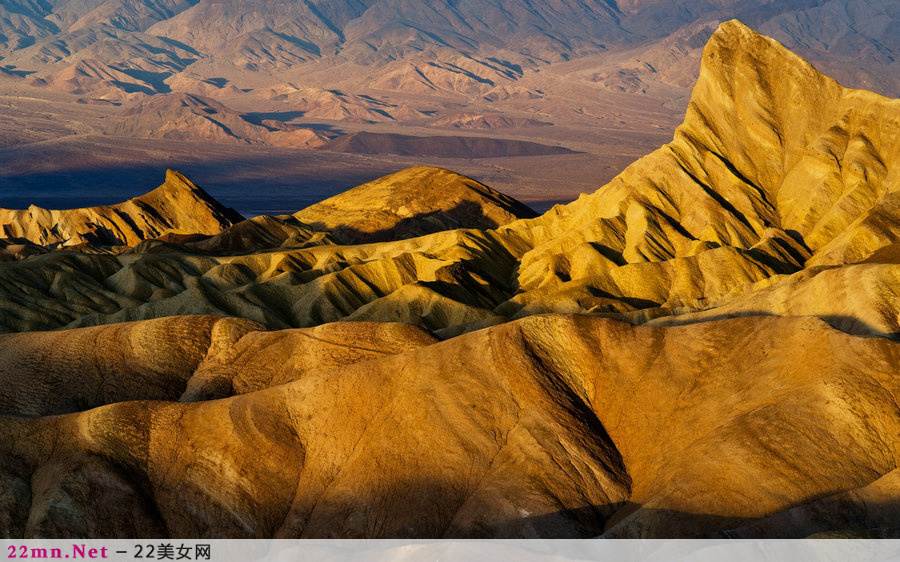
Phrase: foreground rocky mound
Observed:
(177, 206)
(551, 426)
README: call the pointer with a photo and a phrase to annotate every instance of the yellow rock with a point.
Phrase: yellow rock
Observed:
(177, 206)
(767, 178)
(410, 203)
(550, 426)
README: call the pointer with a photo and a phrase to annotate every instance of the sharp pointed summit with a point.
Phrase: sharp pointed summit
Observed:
(705, 346)
(176, 206)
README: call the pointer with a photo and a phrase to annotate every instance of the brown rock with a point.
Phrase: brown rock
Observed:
(548, 426)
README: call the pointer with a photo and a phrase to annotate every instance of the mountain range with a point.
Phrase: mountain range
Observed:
(752, 190)
(461, 46)
(350, 90)
(705, 346)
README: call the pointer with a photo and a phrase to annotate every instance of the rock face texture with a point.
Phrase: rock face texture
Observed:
(571, 375)
(774, 192)
(548, 426)
(176, 206)
(49, 373)
(411, 203)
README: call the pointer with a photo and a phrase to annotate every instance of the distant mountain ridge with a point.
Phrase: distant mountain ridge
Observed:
(497, 39)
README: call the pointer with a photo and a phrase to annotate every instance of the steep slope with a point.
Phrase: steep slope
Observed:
(411, 203)
(552, 426)
(772, 173)
(241, 31)
(767, 178)
(176, 206)
(132, 15)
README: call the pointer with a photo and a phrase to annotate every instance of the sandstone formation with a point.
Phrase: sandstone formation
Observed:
(411, 203)
(249, 236)
(176, 206)
(859, 298)
(47, 373)
(702, 347)
(768, 197)
(551, 426)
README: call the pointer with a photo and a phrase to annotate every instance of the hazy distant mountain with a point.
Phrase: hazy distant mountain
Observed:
(498, 37)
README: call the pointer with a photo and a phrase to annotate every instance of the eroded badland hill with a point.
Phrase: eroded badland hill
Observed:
(705, 346)
(542, 101)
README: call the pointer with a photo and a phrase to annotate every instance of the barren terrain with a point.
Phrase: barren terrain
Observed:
(92, 94)
(705, 345)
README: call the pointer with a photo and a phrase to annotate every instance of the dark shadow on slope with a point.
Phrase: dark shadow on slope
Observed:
(439, 146)
(13, 71)
(798, 238)
(182, 46)
(466, 214)
(422, 509)
(886, 255)
(256, 118)
(838, 515)
(129, 88)
(826, 515)
(843, 323)
(780, 267)
(634, 303)
(155, 79)
(575, 523)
